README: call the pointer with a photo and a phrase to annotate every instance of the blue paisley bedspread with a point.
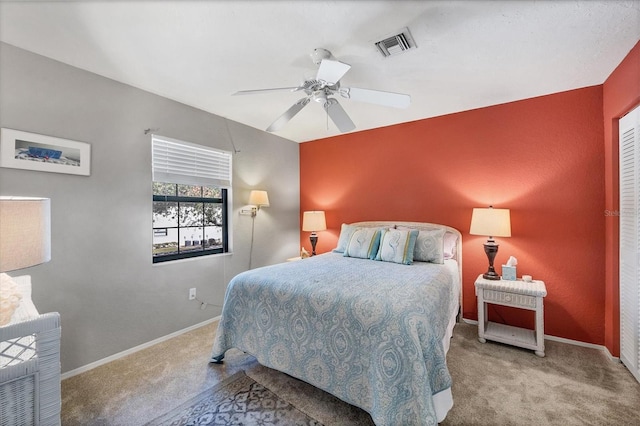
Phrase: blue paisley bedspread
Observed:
(368, 332)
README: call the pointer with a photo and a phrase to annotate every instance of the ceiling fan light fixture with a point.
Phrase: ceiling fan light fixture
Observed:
(320, 97)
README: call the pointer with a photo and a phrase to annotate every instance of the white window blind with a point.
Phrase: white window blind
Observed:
(175, 161)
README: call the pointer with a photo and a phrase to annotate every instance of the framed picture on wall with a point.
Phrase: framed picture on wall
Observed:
(31, 151)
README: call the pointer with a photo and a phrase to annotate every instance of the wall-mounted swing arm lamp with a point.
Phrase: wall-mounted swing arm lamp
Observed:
(313, 221)
(491, 223)
(257, 199)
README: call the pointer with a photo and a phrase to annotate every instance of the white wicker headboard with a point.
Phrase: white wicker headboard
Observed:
(424, 226)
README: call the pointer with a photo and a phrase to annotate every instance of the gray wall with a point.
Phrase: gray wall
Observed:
(101, 278)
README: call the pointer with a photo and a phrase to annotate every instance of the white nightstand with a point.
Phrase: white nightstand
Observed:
(517, 294)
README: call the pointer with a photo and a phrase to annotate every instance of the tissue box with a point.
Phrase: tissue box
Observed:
(508, 273)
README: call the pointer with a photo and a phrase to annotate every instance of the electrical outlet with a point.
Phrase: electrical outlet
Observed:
(192, 293)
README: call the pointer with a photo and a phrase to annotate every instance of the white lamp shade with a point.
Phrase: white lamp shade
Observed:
(491, 222)
(25, 232)
(313, 221)
(259, 198)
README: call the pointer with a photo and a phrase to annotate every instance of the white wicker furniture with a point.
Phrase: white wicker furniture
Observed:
(30, 370)
(518, 294)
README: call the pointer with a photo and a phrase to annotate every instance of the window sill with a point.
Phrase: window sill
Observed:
(191, 259)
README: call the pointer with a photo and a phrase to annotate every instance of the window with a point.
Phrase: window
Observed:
(190, 184)
(188, 221)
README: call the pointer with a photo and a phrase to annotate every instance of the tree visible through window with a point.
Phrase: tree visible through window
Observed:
(188, 221)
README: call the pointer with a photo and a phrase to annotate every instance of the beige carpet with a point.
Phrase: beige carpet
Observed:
(493, 384)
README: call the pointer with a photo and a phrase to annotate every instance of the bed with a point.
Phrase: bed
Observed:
(369, 323)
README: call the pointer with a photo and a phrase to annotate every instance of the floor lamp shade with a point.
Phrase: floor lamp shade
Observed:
(25, 232)
(313, 221)
(491, 223)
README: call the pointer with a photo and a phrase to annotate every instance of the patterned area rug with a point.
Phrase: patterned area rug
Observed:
(237, 400)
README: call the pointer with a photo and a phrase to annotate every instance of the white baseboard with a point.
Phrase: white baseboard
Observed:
(583, 344)
(122, 354)
(567, 341)
(611, 357)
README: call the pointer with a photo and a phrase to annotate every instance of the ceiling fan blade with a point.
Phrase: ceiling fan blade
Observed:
(253, 92)
(338, 115)
(396, 100)
(332, 71)
(288, 114)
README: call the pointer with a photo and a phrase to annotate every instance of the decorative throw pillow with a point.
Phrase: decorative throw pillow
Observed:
(346, 231)
(10, 298)
(430, 246)
(397, 246)
(27, 310)
(363, 243)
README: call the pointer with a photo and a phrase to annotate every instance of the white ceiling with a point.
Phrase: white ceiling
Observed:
(469, 54)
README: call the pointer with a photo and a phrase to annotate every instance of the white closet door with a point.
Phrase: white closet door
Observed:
(630, 241)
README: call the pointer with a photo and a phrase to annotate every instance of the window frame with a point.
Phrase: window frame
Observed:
(177, 162)
(222, 200)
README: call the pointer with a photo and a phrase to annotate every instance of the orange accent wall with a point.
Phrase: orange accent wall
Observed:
(543, 158)
(621, 93)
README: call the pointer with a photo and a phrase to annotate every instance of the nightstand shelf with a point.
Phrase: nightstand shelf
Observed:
(517, 294)
(509, 334)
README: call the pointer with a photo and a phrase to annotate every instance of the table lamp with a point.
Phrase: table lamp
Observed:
(25, 232)
(491, 223)
(313, 221)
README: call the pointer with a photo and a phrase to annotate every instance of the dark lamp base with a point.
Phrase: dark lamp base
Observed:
(489, 275)
(491, 248)
(314, 240)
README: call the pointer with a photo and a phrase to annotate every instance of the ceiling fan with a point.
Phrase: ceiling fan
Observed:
(323, 89)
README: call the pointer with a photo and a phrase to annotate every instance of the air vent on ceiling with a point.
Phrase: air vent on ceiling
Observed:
(396, 44)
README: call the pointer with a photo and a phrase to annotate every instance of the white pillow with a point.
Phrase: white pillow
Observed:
(450, 245)
(10, 298)
(26, 310)
(430, 246)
